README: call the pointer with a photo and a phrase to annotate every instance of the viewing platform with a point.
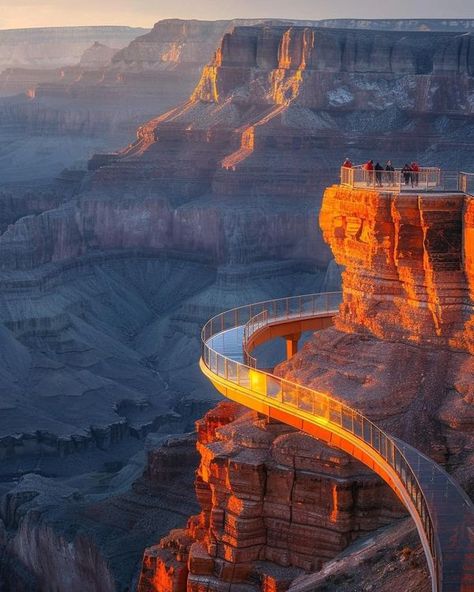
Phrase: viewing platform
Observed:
(442, 512)
(426, 179)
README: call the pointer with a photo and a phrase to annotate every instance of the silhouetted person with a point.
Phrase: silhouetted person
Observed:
(415, 172)
(378, 174)
(389, 172)
(406, 172)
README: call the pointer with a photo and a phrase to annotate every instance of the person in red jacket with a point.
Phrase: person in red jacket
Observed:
(347, 164)
(369, 172)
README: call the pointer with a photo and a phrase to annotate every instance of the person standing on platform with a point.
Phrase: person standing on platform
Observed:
(406, 172)
(378, 174)
(389, 173)
(347, 164)
(415, 168)
(369, 172)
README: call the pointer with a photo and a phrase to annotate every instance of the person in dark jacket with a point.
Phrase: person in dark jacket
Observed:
(406, 172)
(378, 174)
(389, 173)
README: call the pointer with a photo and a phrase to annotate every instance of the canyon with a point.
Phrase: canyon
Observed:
(56, 47)
(108, 271)
(400, 352)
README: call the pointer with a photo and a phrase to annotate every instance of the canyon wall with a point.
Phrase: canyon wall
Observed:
(67, 536)
(274, 504)
(401, 349)
(407, 267)
(300, 97)
(53, 47)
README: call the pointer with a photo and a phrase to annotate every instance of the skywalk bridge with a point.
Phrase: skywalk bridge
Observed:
(442, 512)
(427, 179)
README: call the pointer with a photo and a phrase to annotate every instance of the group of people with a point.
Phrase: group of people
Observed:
(380, 174)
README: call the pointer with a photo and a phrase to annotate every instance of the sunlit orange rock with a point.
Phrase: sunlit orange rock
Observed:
(404, 273)
(401, 348)
(275, 503)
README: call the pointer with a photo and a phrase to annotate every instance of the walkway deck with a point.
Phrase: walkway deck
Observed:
(443, 514)
(426, 180)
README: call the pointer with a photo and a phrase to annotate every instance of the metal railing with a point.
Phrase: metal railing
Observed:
(466, 183)
(398, 180)
(329, 412)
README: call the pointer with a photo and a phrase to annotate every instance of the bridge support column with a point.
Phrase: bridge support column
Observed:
(292, 344)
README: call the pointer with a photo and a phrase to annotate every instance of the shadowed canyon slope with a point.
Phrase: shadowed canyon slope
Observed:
(54, 47)
(106, 280)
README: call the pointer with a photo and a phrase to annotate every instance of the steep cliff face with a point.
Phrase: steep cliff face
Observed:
(274, 504)
(70, 541)
(216, 235)
(330, 58)
(401, 349)
(299, 97)
(172, 42)
(405, 268)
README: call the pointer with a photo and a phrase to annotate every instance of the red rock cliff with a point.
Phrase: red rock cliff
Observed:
(401, 348)
(408, 264)
(275, 504)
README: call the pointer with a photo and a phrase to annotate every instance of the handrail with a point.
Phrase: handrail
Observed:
(324, 409)
(466, 182)
(398, 180)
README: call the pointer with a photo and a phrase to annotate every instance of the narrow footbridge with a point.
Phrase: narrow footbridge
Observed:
(442, 512)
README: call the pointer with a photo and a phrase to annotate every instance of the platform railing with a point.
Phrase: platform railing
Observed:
(326, 410)
(466, 183)
(398, 180)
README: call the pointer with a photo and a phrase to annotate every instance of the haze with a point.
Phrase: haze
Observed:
(35, 13)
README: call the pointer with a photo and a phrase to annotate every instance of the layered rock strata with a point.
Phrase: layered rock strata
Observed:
(401, 349)
(71, 538)
(274, 504)
(407, 260)
(298, 97)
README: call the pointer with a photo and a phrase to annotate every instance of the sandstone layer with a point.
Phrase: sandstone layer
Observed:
(298, 98)
(401, 349)
(274, 504)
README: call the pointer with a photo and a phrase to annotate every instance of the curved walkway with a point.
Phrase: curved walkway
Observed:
(443, 514)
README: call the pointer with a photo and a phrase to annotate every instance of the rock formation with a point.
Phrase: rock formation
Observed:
(274, 504)
(402, 346)
(300, 97)
(54, 47)
(96, 56)
(107, 278)
(75, 540)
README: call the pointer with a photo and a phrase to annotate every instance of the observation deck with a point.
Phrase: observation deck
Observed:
(442, 512)
(426, 179)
